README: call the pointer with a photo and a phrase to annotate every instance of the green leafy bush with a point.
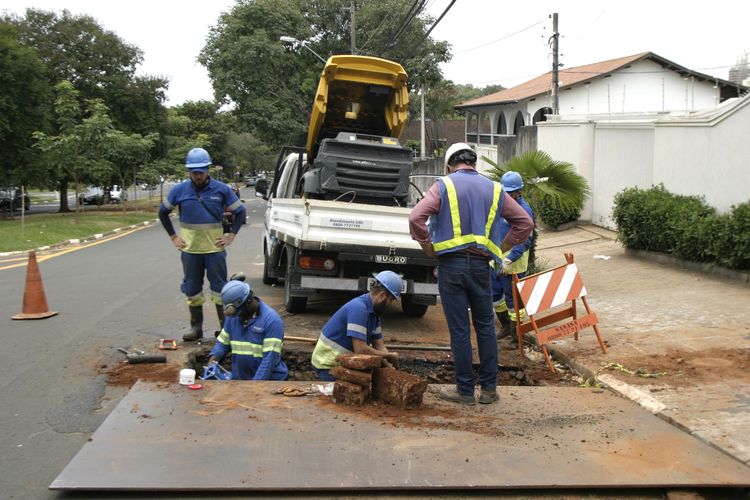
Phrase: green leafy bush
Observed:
(685, 226)
(554, 214)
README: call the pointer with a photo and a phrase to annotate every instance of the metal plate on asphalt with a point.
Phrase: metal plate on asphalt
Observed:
(236, 436)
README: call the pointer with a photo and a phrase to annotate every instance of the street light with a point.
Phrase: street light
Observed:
(304, 43)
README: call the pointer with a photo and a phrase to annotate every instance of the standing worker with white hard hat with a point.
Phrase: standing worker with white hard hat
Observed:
(202, 239)
(253, 332)
(516, 261)
(465, 212)
(355, 327)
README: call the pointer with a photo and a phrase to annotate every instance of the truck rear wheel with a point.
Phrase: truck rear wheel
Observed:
(292, 304)
(411, 308)
(267, 278)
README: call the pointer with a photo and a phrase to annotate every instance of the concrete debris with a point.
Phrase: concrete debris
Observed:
(363, 378)
(359, 361)
(350, 394)
(398, 388)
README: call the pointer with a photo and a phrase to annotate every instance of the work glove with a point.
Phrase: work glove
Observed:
(506, 266)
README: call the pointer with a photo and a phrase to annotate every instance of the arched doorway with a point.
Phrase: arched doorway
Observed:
(541, 115)
(502, 126)
(518, 122)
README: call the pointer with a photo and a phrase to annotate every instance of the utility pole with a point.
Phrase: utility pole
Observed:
(422, 136)
(353, 34)
(555, 67)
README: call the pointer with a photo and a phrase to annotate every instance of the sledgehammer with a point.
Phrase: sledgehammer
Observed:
(141, 357)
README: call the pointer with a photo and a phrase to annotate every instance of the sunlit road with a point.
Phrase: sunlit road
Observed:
(117, 292)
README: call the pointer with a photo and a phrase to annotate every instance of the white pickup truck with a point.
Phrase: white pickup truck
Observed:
(315, 245)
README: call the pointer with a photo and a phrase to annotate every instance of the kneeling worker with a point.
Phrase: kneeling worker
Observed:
(254, 332)
(355, 327)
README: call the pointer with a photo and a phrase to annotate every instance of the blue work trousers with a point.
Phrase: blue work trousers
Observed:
(196, 265)
(464, 282)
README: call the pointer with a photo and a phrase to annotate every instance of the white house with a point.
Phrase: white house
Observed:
(634, 121)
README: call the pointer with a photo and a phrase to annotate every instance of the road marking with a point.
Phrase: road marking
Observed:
(68, 250)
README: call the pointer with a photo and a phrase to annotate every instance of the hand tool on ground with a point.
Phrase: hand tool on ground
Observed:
(139, 356)
(216, 372)
(167, 344)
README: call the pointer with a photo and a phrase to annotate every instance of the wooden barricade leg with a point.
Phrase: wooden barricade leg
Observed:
(542, 345)
(594, 326)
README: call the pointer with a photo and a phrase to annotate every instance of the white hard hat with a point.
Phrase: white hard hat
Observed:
(455, 148)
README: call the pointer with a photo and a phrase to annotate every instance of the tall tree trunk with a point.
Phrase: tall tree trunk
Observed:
(64, 208)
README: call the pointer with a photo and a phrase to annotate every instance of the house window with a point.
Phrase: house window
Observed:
(485, 127)
(518, 122)
(541, 115)
(502, 126)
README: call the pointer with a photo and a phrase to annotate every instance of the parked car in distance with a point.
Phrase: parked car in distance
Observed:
(117, 194)
(10, 199)
(250, 180)
(93, 195)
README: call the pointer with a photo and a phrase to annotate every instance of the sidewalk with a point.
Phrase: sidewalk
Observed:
(689, 331)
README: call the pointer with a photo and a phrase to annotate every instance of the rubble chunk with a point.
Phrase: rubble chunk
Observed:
(350, 394)
(359, 361)
(398, 388)
(354, 376)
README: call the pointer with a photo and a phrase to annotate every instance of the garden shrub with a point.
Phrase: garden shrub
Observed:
(554, 214)
(685, 226)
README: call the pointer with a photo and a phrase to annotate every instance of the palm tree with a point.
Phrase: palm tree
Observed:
(547, 183)
(545, 179)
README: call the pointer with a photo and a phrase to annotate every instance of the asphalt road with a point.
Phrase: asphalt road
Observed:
(116, 293)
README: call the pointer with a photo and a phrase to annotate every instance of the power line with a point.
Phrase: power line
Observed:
(501, 38)
(410, 15)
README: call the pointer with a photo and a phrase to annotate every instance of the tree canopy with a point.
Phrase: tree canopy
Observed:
(272, 85)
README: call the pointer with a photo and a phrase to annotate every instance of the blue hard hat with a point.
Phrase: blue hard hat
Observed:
(233, 295)
(511, 181)
(197, 159)
(390, 281)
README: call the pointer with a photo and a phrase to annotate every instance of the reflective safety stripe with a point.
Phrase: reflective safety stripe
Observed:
(357, 328)
(216, 298)
(500, 306)
(246, 348)
(512, 314)
(234, 206)
(196, 300)
(326, 350)
(459, 239)
(201, 240)
(200, 227)
(272, 344)
(223, 337)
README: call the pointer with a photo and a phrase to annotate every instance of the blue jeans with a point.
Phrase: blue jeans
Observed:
(464, 282)
(325, 375)
(195, 265)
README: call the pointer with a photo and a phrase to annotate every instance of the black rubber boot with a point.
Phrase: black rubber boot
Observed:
(196, 324)
(504, 324)
(220, 314)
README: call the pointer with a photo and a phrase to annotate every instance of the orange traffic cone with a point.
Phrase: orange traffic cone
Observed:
(34, 300)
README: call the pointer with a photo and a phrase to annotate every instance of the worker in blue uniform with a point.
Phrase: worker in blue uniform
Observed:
(202, 241)
(253, 332)
(515, 261)
(355, 327)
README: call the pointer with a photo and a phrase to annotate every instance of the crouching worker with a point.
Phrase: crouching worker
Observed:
(355, 327)
(253, 332)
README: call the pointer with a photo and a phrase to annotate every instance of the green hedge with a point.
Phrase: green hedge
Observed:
(553, 214)
(685, 226)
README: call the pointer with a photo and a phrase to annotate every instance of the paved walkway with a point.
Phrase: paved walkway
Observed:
(686, 335)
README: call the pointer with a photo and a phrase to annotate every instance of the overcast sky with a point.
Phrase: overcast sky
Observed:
(494, 42)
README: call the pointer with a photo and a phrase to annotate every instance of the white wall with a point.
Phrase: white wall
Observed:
(707, 155)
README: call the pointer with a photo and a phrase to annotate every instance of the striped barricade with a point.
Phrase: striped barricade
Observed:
(543, 291)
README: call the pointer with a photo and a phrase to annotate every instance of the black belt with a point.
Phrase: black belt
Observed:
(464, 255)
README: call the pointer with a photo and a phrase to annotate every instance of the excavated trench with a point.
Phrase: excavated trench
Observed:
(434, 366)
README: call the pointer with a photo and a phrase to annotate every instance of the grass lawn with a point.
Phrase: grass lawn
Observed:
(50, 229)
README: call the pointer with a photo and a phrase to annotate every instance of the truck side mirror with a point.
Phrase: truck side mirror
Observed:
(261, 188)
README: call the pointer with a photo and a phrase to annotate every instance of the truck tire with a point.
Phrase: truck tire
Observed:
(267, 278)
(292, 304)
(412, 309)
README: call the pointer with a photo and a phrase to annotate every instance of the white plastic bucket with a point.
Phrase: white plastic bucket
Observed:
(187, 376)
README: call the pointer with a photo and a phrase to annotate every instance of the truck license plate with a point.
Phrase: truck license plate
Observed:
(390, 259)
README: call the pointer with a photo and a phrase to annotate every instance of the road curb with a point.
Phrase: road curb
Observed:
(699, 267)
(79, 241)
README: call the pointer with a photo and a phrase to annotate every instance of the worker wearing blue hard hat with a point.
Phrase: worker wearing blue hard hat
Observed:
(355, 327)
(253, 332)
(202, 240)
(515, 261)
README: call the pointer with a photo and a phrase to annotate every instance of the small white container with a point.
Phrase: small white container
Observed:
(187, 376)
